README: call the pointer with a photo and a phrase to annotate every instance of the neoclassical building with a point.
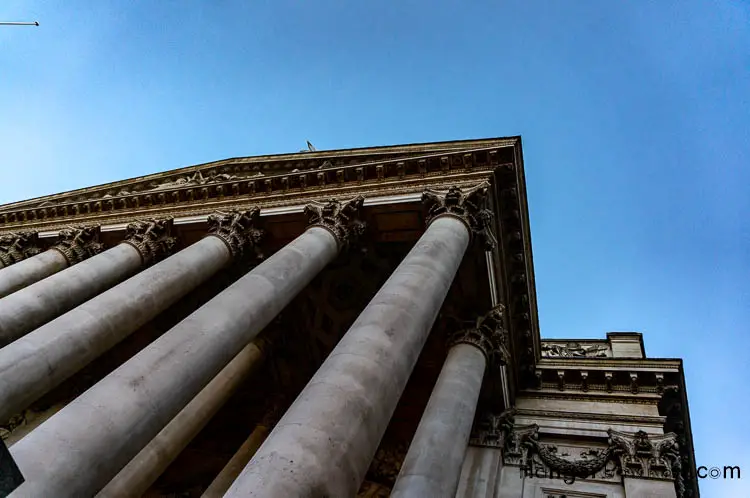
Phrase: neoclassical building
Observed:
(342, 323)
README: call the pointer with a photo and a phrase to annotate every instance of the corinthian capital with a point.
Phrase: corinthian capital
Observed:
(15, 247)
(468, 205)
(79, 243)
(340, 218)
(237, 230)
(641, 455)
(488, 335)
(151, 238)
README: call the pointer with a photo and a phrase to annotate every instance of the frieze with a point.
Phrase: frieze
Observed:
(237, 230)
(341, 219)
(151, 238)
(468, 205)
(79, 243)
(636, 454)
(15, 247)
(574, 350)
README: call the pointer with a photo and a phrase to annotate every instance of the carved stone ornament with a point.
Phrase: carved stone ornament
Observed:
(79, 243)
(633, 454)
(15, 247)
(237, 230)
(151, 238)
(641, 455)
(488, 335)
(342, 219)
(573, 350)
(467, 205)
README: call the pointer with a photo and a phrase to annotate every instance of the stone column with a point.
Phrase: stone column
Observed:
(432, 465)
(324, 443)
(35, 305)
(39, 361)
(232, 469)
(112, 421)
(143, 470)
(74, 245)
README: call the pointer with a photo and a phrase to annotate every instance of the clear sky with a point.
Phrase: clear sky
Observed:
(635, 122)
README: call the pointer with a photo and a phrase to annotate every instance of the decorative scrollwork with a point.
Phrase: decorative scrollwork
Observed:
(15, 247)
(151, 238)
(342, 219)
(468, 206)
(488, 335)
(641, 455)
(237, 230)
(79, 243)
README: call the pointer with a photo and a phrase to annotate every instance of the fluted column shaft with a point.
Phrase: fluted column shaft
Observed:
(101, 430)
(432, 465)
(28, 271)
(324, 443)
(41, 360)
(136, 477)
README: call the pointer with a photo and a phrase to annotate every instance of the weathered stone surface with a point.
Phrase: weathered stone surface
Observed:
(28, 271)
(324, 443)
(41, 360)
(28, 308)
(15, 247)
(111, 422)
(136, 477)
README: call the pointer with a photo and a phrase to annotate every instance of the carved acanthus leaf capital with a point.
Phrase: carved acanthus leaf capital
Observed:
(15, 247)
(488, 335)
(641, 455)
(237, 230)
(342, 219)
(151, 238)
(79, 243)
(468, 205)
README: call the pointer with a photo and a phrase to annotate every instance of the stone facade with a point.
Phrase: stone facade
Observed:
(343, 323)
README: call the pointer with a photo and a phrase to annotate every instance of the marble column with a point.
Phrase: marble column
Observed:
(324, 443)
(432, 465)
(74, 245)
(143, 470)
(41, 360)
(112, 421)
(35, 305)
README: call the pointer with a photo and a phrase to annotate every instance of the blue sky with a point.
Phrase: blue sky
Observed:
(635, 123)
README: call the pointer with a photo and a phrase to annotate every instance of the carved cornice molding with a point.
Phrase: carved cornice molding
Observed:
(637, 455)
(79, 243)
(237, 230)
(488, 335)
(173, 192)
(18, 246)
(467, 205)
(151, 238)
(341, 219)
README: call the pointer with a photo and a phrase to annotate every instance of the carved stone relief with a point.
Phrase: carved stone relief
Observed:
(237, 230)
(574, 350)
(488, 335)
(468, 205)
(15, 247)
(151, 238)
(79, 243)
(342, 219)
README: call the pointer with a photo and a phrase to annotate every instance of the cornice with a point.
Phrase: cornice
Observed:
(594, 417)
(640, 364)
